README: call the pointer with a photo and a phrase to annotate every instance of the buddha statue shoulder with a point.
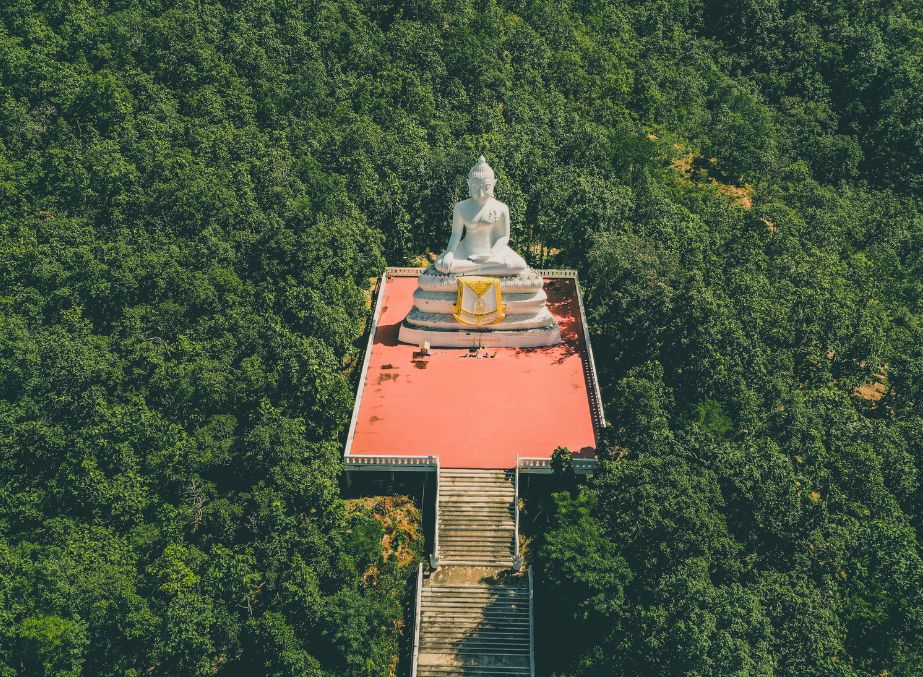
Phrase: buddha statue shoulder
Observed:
(479, 244)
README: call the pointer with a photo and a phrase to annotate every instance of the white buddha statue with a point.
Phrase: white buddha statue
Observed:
(479, 244)
(453, 309)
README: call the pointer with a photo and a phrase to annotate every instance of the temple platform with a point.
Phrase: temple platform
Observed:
(479, 407)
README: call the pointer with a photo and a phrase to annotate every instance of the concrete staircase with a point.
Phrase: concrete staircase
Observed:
(474, 628)
(475, 611)
(476, 517)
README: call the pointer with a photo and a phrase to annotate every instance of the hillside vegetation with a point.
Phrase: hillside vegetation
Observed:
(194, 195)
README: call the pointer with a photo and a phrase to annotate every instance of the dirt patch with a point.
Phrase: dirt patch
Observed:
(873, 390)
(683, 164)
(403, 537)
(870, 391)
(742, 195)
(704, 172)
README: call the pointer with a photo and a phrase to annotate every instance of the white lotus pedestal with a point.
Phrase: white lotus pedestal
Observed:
(527, 322)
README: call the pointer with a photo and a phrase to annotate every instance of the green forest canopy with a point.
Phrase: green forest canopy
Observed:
(193, 197)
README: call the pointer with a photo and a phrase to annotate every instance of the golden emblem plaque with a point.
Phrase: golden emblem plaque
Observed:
(479, 301)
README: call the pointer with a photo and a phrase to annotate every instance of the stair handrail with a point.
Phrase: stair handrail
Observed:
(531, 628)
(416, 622)
(517, 561)
(434, 556)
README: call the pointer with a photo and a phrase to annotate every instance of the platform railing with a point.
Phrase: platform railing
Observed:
(403, 271)
(434, 557)
(542, 466)
(596, 400)
(556, 272)
(416, 622)
(414, 271)
(531, 627)
(517, 560)
(391, 462)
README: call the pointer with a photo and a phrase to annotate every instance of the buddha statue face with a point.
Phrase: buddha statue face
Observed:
(481, 191)
(481, 181)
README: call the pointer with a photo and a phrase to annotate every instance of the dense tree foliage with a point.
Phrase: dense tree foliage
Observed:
(193, 196)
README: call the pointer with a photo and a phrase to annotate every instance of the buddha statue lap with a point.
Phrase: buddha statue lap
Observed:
(479, 291)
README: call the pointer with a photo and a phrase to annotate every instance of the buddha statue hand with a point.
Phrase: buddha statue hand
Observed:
(445, 262)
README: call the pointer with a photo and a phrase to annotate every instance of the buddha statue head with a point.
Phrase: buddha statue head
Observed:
(481, 181)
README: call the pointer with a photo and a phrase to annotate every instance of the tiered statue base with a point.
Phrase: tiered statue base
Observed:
(528, 322)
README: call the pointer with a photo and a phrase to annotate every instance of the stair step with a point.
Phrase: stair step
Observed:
(476, 621)
(484, 490)
(475, 595)
(513, 633)
(441, 668)
(505, 530)
(512, 584)
(472, 656)
(475, 487)
(474, 479)
(512, 621)
(472, 635)
(463, 647)
(476, 511)
(463, 498)
(469, 497)
(476, 543)
(468, 628)
(459, 609)
(504, 638)
(437, 662)
(512, 615)
(517, 639)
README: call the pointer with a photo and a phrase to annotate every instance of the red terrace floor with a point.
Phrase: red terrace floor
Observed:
(475, 413)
